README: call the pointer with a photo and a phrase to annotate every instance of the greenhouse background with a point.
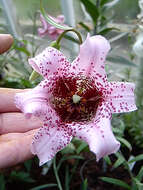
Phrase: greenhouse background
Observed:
(74, 167)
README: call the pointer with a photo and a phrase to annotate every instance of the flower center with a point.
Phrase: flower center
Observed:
(75, 99)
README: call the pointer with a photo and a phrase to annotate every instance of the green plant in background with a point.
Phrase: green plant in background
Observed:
(14, 70)
(135, 180)
(15, 73)
(97, 11)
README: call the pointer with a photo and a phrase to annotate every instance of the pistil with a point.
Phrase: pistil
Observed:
(76, 98)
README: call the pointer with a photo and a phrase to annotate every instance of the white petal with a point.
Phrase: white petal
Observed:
(91, 59)
(49, 140)
(120, 96)
(98, 133)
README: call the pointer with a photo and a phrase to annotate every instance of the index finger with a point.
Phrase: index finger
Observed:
(6, 41)
(15, 151)
(7, 99)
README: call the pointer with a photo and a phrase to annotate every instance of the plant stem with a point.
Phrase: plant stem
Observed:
(70, 30)
(56, 174)
(96, 25)
(97, 3)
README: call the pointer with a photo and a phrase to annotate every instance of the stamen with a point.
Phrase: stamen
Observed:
(75, 99)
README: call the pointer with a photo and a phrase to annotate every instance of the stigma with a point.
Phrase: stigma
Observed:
(76, 98)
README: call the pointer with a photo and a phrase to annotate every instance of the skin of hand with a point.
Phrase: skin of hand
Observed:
(16, 132)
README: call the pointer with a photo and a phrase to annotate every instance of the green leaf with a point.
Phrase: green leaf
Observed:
(106, 30)
(137, 158)
(118, 131)
(102, 2)
(67, 178)
(24, 50)
(19, 66)
(55, 45)
(115, 182)
(130, 165)
(138, 184)
(121, 60)
(71, 39)
(85, 185)
(82, 146)
(74, 157)
(56, 174)
(84, 26)
(119, 161)
(125, 142)
(140, 174)
(51, 21)
(28, 165)
(26, 83)
(44, 186)
(21, 176)
(70, 148)
(2, 182)
(107, 160)
(67, 158)
(91, 9)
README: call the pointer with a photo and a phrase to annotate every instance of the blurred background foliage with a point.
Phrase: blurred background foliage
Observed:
(75, 165)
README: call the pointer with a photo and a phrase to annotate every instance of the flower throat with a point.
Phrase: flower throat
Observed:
(75, 99)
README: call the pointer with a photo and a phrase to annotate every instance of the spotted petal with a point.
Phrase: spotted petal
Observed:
(49, 140)
(98, 133)
(35, 101)
(120, 96)
(91, 58)
(50, 62)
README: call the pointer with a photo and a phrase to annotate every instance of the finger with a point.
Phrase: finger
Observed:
(15, 151)
(6, 40)
(7, 99)
(16, 122)
(15, 136)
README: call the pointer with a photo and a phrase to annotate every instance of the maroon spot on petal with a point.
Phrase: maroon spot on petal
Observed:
(62, 101)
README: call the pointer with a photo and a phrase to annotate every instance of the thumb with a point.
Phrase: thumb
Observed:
(6, 41)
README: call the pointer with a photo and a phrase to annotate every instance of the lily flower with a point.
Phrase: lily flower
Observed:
(48, 29)
(75, 100)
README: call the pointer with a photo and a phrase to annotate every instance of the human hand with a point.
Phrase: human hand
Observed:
(16, 132)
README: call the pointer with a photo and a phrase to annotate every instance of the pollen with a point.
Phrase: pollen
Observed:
(75, 99)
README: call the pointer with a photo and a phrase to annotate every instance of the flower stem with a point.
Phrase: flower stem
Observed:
(56, 174)
(70, 30)
(96, 25)
(97, 3)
